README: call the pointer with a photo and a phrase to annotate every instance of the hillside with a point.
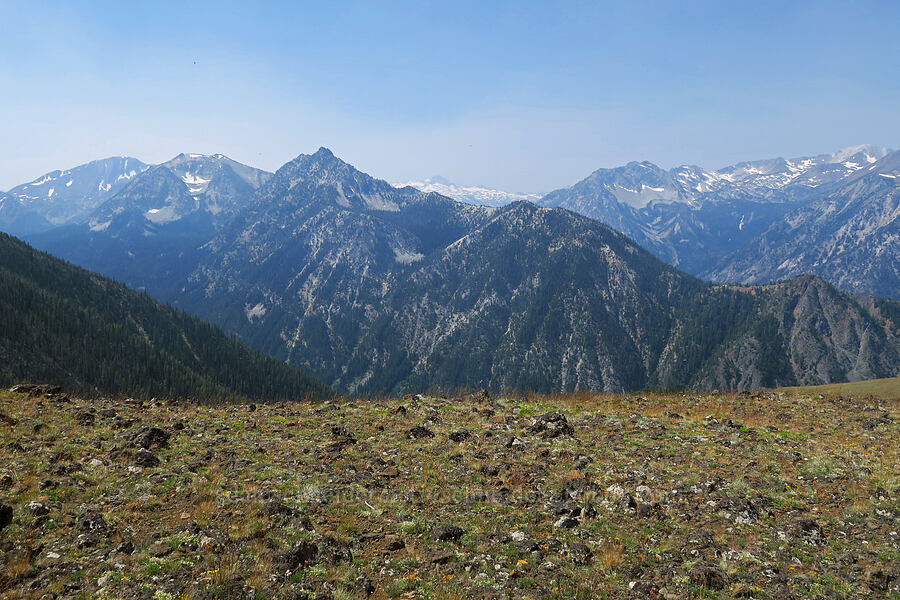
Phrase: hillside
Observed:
(764, 496)
(61, 324)
(889, 388)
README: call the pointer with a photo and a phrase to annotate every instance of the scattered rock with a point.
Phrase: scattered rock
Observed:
(643, 588)
(883, 419)
(333, 551)
(159, 549)
(709, 575)
(274, 506)
(85, 417)
(419, 432)
(363, 586)
(86, 540)
(335, 449)
(145, 458)
(579, 554)
(479, 396)
(566, 522)
(38, 509)
(125, 547)
(438, 556)
(515, 443)
(490, 470)
(459, 436)
(450, 533)
(551, 425)
(390, 472)
(148, 438)
(36, 389)
(301, 554)
(878, 579)
(809, 531)
(6, 516)
(394, 543)
(91, 522)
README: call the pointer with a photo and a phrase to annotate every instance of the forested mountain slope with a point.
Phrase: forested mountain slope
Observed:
(62, 324)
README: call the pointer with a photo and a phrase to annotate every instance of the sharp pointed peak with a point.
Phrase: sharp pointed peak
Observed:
(321, 158)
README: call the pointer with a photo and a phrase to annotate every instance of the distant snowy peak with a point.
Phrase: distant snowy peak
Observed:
(865, 154)
(642, 185)
(190, 167)
(97, 176)
(478, 195)
(60, 197)
(187, 185)
(806, 171)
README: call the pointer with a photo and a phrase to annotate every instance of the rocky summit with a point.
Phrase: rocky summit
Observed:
(774, 495)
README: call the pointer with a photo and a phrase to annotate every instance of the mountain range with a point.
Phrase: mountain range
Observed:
(381, 289)
(729, 225)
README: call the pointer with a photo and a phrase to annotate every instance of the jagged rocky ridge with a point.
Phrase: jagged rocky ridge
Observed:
(850, 235)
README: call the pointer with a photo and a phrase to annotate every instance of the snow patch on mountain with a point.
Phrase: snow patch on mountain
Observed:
(257, 311)
(407, 257)
(478, 195)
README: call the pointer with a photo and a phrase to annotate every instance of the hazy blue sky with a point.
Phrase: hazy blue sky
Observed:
(519, 95)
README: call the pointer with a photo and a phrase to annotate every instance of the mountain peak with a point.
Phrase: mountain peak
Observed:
(193, 156)
(322, 165)
(867, 152)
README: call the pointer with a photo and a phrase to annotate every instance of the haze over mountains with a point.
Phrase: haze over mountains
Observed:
(381, 289)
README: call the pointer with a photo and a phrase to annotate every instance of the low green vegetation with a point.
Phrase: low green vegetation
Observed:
(772, 495)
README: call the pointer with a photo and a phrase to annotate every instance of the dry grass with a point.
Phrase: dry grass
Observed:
(610, 554)
(18, 564)
(886, 389)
